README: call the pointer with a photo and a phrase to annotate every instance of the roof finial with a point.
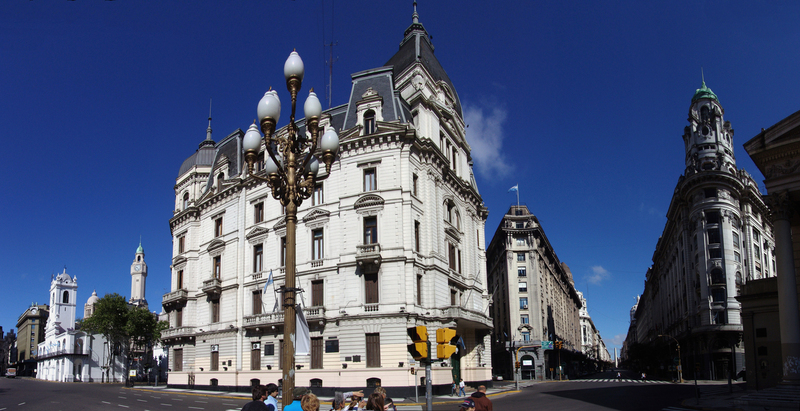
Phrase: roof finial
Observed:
(702, 76)
(415, 16)
(208, 130)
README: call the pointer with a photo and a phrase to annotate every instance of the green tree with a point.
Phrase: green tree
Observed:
(125, 327)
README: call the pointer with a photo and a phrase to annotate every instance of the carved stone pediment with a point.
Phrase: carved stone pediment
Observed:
(316, 214)
(257, 235)
(281, 224)
(216, 247)
(453, 232)
(178, 261)
(369, 201)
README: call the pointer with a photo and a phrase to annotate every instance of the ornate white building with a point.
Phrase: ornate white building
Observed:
(718, 236)
(69, 355)
(592, 344)
(391, 239)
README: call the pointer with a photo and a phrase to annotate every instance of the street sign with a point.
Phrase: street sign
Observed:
(547, 345)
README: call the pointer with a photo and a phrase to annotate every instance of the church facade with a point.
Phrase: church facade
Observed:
(391, 239)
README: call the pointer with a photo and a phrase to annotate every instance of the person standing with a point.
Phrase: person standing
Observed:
(297, 395)
(454, 388)
(482, 402)
(461, 386)
(272, 397)
(259, 392)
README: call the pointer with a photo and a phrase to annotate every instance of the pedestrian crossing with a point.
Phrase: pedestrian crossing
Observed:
(623, 380)
(677, 409)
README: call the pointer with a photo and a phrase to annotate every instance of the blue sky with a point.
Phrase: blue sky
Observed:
(582, 104)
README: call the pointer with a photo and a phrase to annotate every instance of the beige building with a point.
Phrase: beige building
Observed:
(770, 308)
(30, 332)
(533, 299)
(391, 239)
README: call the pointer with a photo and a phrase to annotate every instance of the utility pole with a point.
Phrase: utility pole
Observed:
(428, 382)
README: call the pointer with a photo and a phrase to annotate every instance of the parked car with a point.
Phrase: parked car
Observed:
(11, 372)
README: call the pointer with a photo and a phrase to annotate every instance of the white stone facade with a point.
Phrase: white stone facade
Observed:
(403, 169)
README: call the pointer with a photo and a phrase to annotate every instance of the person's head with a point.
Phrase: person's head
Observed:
(259, 391)
(309, 402)
(338, 400)
(467, 405)
(482, 388)
(388, 404)
(380, 391)
(272, 389)
(299, 392)
(375, 402)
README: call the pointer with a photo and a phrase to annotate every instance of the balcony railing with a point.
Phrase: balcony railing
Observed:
(67, 351)
(177, 332)
(370, 308)
(177, 296)
(276, 318)
(368, 256)
(212, 286)
(458, 312)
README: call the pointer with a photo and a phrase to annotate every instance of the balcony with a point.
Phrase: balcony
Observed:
(177, 297)
(460, 314)
(58, 353)
(177, 332)
(212, 286)
(267, 320)
(368, 257)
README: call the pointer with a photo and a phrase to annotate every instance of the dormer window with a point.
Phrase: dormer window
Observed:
(369, 122)
(220, 178)
(185, 201)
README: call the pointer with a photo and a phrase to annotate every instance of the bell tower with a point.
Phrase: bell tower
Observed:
(138, 278)
(708, 137)
(63, 292)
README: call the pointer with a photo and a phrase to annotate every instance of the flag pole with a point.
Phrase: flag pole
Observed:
(517, 195)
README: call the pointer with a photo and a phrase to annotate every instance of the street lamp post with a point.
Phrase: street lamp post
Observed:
(680, 369)
(291, 172)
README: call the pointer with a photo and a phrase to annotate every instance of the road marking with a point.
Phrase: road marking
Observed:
(197, 408)
(204, 402)
(177, 399)
(224, 403)
(166, 405)
(105, 402)
(124, 398)
(22, 403)
(141, 400)
(123, 406)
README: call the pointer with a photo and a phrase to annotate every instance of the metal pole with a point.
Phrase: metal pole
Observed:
(428, 381)
(516, 369)
(289, 315)
(680, 368)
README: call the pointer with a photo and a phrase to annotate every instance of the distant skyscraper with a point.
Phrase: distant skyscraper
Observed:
(717, 237)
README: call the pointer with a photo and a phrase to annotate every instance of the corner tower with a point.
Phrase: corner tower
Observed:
(708, 137)
(63, 292)
(138, 278)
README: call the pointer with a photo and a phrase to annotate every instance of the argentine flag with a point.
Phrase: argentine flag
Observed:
(515, 188)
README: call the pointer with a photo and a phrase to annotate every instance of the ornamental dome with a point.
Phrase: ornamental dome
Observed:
(704, 92)
(93, 299)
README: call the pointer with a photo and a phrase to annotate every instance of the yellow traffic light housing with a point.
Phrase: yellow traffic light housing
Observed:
(445, 335)
(418, 333)
(418, 350)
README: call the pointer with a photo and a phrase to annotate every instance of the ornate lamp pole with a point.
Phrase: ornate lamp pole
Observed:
(291, 171)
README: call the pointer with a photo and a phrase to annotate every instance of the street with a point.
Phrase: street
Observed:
(596, 392)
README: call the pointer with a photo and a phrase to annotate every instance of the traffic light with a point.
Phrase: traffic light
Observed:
(516, 364)
(559, 344)
(445, 338)
(419, 347)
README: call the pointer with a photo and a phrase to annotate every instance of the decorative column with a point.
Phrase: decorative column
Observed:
(781, 207)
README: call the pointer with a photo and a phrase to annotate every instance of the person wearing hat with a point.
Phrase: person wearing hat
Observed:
(467, 405)
(297, 395)
(272, 397)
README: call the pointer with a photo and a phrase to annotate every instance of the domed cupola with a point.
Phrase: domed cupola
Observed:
(708, 138)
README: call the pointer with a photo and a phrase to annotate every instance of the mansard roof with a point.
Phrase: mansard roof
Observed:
(417, 47)
(204, 156)
(380, 81)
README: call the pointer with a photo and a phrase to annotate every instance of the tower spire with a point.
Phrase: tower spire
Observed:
(208, 130)
(702, 76)
(415, 16)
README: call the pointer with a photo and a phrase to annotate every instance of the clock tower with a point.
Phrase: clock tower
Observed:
(138, 278)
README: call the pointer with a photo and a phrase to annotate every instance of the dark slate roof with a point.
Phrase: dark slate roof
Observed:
(416, 46)
(381, 81)
(204, 156)
(230, 147)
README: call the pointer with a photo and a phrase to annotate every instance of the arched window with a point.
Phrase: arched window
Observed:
(373, 382)
(369, 122)
(220, 178)
(457, 221)
(315, 383)
(65, 299)
(185, 201)
(214, 382)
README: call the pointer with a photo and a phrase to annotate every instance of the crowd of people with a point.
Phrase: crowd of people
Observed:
(265, 397)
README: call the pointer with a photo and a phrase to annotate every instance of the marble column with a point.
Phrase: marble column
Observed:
(789, 315)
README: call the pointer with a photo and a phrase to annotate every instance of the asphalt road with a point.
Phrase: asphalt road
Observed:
(22, 394)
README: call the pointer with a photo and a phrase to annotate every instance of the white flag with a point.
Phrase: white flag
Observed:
(302, 345)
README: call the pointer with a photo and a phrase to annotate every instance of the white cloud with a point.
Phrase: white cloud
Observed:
(617, 340)
(598, 275)
(485, 137)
